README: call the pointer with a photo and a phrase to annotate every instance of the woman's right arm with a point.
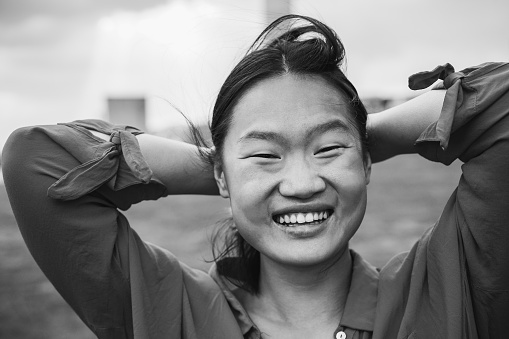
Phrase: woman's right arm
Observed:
(66, 185)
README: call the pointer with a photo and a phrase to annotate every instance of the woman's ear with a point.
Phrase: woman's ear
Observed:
(221, 181)
(367, 168)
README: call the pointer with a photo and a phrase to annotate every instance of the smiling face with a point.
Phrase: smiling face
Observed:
(294, 171)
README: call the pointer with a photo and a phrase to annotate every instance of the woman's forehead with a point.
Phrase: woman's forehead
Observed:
(289, 102)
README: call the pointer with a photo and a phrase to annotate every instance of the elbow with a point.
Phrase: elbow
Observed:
(21, 151)
(14, 151)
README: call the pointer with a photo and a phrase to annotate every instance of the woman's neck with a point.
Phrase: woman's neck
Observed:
(297, 296)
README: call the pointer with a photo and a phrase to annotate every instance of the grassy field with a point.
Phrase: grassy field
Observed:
(405, 198)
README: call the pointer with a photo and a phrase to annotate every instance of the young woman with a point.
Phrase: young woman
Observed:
(291, 152)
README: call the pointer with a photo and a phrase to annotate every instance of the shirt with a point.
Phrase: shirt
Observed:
(66, 187)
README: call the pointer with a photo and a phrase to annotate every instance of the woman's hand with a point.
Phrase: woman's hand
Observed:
(394, 131)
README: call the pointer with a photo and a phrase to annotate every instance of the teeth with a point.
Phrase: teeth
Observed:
(301, 218)
(309, 217)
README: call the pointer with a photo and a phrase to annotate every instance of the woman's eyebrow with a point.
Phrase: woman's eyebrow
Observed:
(262, 135)
(333, 125)
(322, 128)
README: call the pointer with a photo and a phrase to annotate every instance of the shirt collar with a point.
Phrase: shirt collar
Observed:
(360, 307)
(360, 304)
(241, 315)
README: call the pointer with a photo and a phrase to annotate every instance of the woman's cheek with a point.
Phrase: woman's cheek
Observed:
(249, 197)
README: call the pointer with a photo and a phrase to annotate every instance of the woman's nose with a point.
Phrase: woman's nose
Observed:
(301, 181)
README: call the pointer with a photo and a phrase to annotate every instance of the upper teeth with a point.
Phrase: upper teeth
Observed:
(300, 218)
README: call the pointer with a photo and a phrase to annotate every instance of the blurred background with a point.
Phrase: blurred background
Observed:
(131, 61)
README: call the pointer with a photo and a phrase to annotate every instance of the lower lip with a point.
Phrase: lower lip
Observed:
(304, 231)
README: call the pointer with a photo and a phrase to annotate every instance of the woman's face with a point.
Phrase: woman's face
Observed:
(294, 171)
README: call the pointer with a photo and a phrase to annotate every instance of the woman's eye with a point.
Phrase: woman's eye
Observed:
(328, 149)
(264, 156)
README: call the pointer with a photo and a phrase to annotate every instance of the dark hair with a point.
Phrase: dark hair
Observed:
(291, 44)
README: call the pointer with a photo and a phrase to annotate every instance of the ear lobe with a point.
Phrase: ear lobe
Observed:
(221, 181)
(367, 168)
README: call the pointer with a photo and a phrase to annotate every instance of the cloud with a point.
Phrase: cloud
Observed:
(15, 11)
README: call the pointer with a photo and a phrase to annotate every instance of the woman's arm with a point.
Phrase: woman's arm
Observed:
(394, 131)
(464, 283)
(65, 186)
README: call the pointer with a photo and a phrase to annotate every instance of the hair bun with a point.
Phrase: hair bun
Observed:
(316, 41)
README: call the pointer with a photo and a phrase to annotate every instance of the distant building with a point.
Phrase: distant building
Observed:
(378, 104)
(127, 111)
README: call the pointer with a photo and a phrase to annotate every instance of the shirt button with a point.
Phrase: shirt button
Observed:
(341, 335)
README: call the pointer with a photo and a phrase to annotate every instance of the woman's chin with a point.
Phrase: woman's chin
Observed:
(306, 257)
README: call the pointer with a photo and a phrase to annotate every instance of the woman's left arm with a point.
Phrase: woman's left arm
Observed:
(469, 122)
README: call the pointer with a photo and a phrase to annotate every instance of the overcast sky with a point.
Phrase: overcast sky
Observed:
(59, 60)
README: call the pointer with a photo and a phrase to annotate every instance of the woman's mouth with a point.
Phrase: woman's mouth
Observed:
(302, 218)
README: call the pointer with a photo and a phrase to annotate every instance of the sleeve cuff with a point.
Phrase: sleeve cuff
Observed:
(117, 163)
(467, 95)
